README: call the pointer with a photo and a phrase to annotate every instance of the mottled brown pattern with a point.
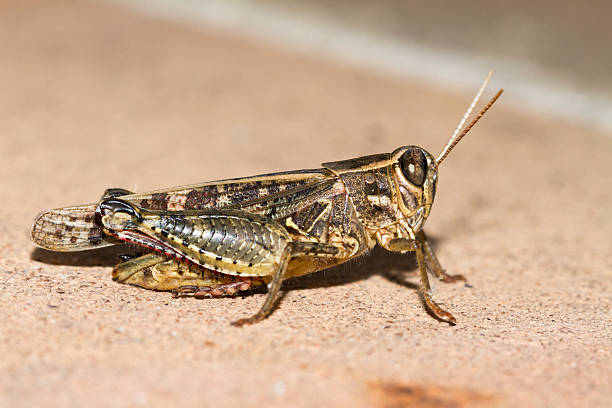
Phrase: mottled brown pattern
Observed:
(316, 215)
(258, 226)
(374, 202)
(197, 199)
(68, 229)
(54, 228)
(236, 193)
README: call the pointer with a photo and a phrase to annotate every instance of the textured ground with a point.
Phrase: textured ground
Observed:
(93, 97)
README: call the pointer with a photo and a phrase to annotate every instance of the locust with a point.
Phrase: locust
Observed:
(223, 237)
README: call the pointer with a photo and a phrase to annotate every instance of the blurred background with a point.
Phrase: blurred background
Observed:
(552, 56)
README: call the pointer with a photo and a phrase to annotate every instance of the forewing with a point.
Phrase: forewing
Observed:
(273, 195)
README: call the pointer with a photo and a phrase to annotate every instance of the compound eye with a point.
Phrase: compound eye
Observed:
(414, 166)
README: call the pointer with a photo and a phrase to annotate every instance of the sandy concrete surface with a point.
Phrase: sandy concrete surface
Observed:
(94, 97)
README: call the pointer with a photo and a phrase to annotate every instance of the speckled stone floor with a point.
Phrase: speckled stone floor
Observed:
(95, 97)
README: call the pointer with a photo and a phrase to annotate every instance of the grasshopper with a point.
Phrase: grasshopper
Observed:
(222, 237)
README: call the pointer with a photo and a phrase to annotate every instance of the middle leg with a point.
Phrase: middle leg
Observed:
(292, 249)
(273, 289)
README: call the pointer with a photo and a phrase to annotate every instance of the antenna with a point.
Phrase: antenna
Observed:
(456, 136)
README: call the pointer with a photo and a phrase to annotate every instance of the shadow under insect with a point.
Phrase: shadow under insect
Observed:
(392, 266)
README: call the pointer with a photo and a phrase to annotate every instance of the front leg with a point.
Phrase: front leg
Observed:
(404, 245)
(432, 261)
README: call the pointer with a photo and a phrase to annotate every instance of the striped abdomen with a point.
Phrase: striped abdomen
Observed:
(232, 242)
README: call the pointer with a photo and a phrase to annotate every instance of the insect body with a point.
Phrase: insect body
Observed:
(222, 237)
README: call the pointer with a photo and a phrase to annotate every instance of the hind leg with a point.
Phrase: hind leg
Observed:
(125, 272)
(219, 290)
(156, 272)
